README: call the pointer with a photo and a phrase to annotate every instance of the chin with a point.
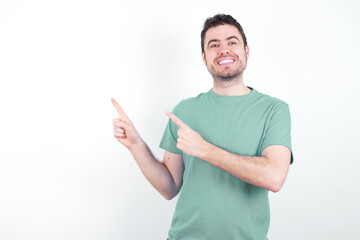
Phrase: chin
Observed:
(229, 76)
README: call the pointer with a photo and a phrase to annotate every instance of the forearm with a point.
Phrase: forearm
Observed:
(268, 171)
(257, 171)
(155, 172)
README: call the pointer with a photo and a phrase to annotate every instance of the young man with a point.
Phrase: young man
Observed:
(225, 149)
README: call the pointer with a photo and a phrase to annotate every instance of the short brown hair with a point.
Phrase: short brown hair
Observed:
(221, 19)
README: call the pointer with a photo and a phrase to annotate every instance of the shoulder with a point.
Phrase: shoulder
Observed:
(191, 102)
(269, 101)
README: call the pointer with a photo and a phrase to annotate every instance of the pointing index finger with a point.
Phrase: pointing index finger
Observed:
(120, 111)
(176, 120)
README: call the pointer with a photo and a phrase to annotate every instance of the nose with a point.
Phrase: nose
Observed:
(224, 51)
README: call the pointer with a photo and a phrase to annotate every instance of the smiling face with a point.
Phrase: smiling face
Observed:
(224, 53)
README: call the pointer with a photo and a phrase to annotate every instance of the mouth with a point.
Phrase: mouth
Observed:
(224, 61)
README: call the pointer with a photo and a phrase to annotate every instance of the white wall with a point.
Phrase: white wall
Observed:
(64, 176)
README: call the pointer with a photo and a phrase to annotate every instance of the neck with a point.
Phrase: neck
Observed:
(232, 87)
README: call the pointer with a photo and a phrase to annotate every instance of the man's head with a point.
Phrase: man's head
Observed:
(221, 19)
(224, 47)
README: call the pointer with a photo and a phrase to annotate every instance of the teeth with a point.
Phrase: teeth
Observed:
(226, 61)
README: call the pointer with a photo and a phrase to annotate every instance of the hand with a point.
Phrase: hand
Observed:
(189, 141)
(124, 129)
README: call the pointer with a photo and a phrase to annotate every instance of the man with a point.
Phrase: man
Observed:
(225, 149)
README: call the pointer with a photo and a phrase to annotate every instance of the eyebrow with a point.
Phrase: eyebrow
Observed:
(217, 40)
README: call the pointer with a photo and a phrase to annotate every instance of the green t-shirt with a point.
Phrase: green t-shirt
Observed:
(212, 203)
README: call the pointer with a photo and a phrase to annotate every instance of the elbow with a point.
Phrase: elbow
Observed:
(168, 196)
(276, 185)
(171, 193)
(275, 189)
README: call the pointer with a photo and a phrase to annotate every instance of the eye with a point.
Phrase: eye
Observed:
(232, 43)
(214, 45)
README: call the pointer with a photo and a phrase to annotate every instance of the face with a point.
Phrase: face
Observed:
(225, 55)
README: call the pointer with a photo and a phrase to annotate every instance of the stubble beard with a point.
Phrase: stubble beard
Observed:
(226, 77)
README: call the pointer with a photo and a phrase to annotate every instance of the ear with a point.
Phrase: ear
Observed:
(203, 57)
(247, 51)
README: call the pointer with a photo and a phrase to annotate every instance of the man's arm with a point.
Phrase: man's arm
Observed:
(267, 171)
(166, 177)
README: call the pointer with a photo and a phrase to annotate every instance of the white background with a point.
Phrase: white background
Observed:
(64, 176)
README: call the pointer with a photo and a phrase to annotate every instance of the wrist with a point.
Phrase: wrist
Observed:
(137, 146)
(206, 150)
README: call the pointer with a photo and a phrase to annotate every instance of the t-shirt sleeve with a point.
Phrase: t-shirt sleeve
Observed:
(279, 129)
(169, 139)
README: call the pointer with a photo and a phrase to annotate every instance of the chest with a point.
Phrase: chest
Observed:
(237, 129)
